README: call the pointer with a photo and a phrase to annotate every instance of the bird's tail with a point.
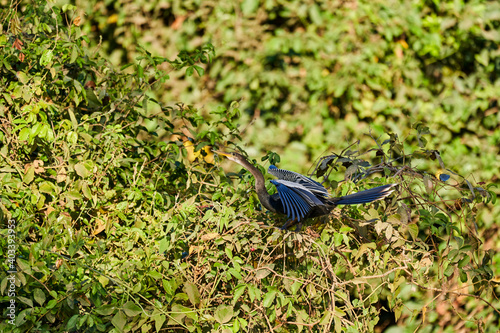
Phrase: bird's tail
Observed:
(366, 196)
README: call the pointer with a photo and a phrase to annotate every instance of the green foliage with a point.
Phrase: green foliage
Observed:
(80, 158)
(316, 74)
(118, 228)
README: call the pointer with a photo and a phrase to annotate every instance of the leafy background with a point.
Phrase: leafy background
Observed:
(124, 222)
(316, 74)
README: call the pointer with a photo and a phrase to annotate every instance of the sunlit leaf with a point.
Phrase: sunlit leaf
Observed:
(131, 309)
(223, 313)
(192, 292)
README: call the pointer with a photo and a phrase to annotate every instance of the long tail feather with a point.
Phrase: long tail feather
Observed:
(366, 196)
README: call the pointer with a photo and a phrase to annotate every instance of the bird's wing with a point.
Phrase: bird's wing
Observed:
(365, 196)
(297, 199)
(295, 177)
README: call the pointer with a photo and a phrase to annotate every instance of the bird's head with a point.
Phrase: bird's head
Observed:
(232, 156)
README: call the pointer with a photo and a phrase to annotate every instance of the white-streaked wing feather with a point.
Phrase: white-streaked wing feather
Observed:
(312, 185)
(297, 199)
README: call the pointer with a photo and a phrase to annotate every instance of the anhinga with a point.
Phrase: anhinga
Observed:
(299, 197)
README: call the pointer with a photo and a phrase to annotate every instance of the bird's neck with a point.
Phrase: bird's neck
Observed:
(260, 187)
(264, 197)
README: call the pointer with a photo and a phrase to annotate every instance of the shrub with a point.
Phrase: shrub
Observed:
(122, 222)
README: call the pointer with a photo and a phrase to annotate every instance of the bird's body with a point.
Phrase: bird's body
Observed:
(299, 197)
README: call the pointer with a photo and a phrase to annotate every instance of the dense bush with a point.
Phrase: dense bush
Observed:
(316, 74)
(123, 223)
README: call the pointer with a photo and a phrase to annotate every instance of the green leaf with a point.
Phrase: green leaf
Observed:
(449, 270)
(249, 6)
(464, 261)
(159, 320)
(229, 253)
(23, 78)
(339, 89)
(74, 54)
(236, 326)
(67, 7)
(269, 298)
(237, 292)
(51, 304)
(72, 137)
(86, 190)
(253, 292)
(311, 290)
(49, 188)
(452, 254)
(223, 313)
(413, 230)
(39, 296)
(315, 14)
(193, 293)
(119, 320)
(189, 71)
(24, 134)
(398, 310)
(235, 273)
(131, 309)
(295, 287)
(105, 310)
(337, 238)
(199, 70)
(46, 58)
(483, 57)
(155, 275)
(351, 170)
(25, 300)
(35, 130)
(81, 170)
(73, 195)
(325, 320)
(164, 245)
(29, 175)
(72, 322)
(151, 124)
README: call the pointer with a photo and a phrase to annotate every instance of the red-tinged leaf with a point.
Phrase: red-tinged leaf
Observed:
(18, 44)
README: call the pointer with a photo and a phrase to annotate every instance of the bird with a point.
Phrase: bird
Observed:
(300, 197)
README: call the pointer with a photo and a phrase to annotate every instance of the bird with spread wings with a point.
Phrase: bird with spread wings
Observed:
(300, 197)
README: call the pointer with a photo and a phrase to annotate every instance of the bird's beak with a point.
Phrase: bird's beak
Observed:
(222, 153)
